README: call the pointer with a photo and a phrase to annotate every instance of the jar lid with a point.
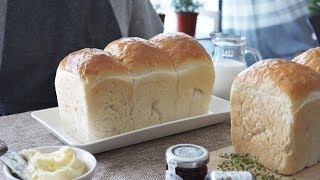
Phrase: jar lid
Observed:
(187, 156)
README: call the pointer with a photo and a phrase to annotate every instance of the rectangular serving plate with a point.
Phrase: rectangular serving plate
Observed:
(219, 112)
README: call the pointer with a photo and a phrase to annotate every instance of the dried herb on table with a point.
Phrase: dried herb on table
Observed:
(235, 162)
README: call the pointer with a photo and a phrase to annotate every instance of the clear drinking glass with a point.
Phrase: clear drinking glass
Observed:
(229, 60)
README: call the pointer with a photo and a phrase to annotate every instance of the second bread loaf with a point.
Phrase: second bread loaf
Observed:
(310, 58)
(275, 115)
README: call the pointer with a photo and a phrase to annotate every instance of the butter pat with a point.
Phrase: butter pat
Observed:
(62, 164)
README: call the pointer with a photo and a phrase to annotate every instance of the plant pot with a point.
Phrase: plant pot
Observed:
(314, 22)
(162, 16)
(187, 23)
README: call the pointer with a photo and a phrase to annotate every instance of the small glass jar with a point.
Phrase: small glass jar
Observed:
(187, 162)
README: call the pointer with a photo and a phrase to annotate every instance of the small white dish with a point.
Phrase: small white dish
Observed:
(85, 156)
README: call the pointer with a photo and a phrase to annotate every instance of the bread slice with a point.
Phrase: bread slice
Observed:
(310, 58)
(275, 115)
(154, 90)
(194, 70)
(94, 95)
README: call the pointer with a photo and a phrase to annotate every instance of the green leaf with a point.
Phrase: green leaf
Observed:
(314, 6)
(316, 3)
(186, 6)
(314, 10)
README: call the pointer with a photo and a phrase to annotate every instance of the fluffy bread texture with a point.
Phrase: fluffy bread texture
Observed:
(275, 115)
(154, 89)
(94, 95)
(130, 85)
(310, 58)
(195, 72)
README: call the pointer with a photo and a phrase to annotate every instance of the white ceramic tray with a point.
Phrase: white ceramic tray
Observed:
(219, 112)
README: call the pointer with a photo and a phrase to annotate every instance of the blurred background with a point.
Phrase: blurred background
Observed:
(35, 37)
(276, 28)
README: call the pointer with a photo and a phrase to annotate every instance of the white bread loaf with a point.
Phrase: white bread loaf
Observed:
(101, 94)
(310, 58)
(94, 95)
(194, 70)
(275, 115)
(154, 89)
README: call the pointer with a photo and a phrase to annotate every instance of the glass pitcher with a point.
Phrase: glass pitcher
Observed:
(229, 60)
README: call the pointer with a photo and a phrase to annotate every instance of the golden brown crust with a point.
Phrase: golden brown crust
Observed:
(138, 55)
(91, 62)
(293, 79)
(274, 109)
(310, 58)
(181, 48)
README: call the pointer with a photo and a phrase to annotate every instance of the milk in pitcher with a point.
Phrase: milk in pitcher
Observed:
(229, 60)
(225, 73)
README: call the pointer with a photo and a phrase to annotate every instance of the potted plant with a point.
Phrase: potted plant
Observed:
(314, 17)
(187, 13)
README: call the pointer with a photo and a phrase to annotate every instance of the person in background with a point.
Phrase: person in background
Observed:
(277, 28)
(36, 35)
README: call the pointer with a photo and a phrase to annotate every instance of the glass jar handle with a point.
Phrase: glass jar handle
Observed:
(212, 57)
(255, 53)
(212, 54)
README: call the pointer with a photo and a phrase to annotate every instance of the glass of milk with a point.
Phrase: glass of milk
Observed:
(229, 60)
